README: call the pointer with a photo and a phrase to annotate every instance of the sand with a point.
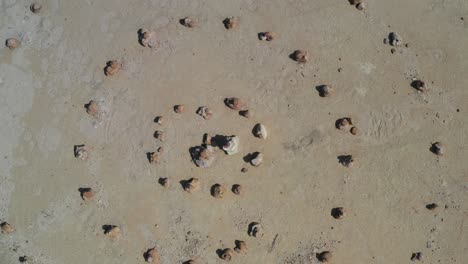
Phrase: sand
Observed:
(58, 68)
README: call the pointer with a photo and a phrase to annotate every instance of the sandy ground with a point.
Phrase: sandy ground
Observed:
(59, 67)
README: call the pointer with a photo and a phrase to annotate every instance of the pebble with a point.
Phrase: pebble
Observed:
(245, 113)
(153, 157)
(324, 256)
(179, 109)
(438, 149)
(419, 85)
(416, 256)
(257, 159)
(343, 123)
(203, 157)
(81, 152)
(112, 67)
(151, 256)
(217, 191)
(300, 56)
(164, 182)
(193, 184)
(227, 254)
(338, 212)
(147, 38)
(160, 135)
(234, 103)
(189, 22)
(241, 246)
(231, 22)
(232, 145)
(159, 120)
(23, 259)
(12, 43)
(346, 160)
(431, 206)
(92, 108)
(244, 170)
(6, 228)
(395, 39)
(113, 232)
(87, 194)
(325, 90)
(35, 8)
(268, 36)
(361, 6)
(205, 112)
(255, 229)
(260, 131)
(237, 189)
(354, 130)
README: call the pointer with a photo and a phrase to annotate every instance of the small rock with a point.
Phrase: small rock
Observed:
(81, 152)
(153, 157)
(361, 6)
(419, 85)
(416, 256)
(255, 229)
(189, 262)
(237, 189)
(191, 185)
(151, 256)
(392, 50)
(113, 232)
(241, 247)
(257, 159)
(92, 108)
(87, 194)
(432, 206)
(346, 160)
(112, 68)
(338, 212)
(395, 39)
(12, 43)
(230, 22)
(164, 182)
(244, 170)
(217, 191)
(6, 228)
(159, 120)
(227, 254)
(354, 2)
(325, 90)
(35, 8)
(300, 56)
(234, 103)
(232, 145)
(245, 113)
(23, 259)
(189, 22)
(203, 157)
(205, 112)
(343, 123)
(268, 36)
(354, 130)
(324, 256)
(438, 149)
(179, 109)
(147, 38)
(160, 135)
(260, 131)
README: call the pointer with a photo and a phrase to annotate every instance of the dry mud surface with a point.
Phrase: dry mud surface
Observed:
(58, 68)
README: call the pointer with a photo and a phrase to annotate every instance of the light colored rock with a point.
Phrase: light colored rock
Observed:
(232, 145)
(260, 131)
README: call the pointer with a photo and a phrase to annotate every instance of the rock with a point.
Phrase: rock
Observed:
(237, 189)
(189, 262)
(203, 157)
(87, 194)
(343, 123)
(416, 256)
(147, 38)
(153, 157)
(361, 6)
(260, 131)
(300, 56)
(432, 206)
(354, 130)
(6, 228)
(81, 152)
(227, 254)
(244, 170)
(268, 36)
(419, 85)
(395, 39)
(354, 2)
(338, 212)
(191, 185)
(257, 159)
(112, 68)
(217, 191)
(230, 22)
(241, 247)
(12, 43)
(113, 232)
(232, 145)
(35, 7)
(160, 135)
(164, 182)
(438, 149)
(245, 113)
(234, 103)
(179, 109)
(189, 22)
(205, 112)
(92, 108)
(151, 256)
(255, 229)
(23, 259)
(325, 90)
(324, 256)
(346, 160)
(159, 120)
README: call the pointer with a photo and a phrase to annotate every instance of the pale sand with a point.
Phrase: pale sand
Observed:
(59, 67)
